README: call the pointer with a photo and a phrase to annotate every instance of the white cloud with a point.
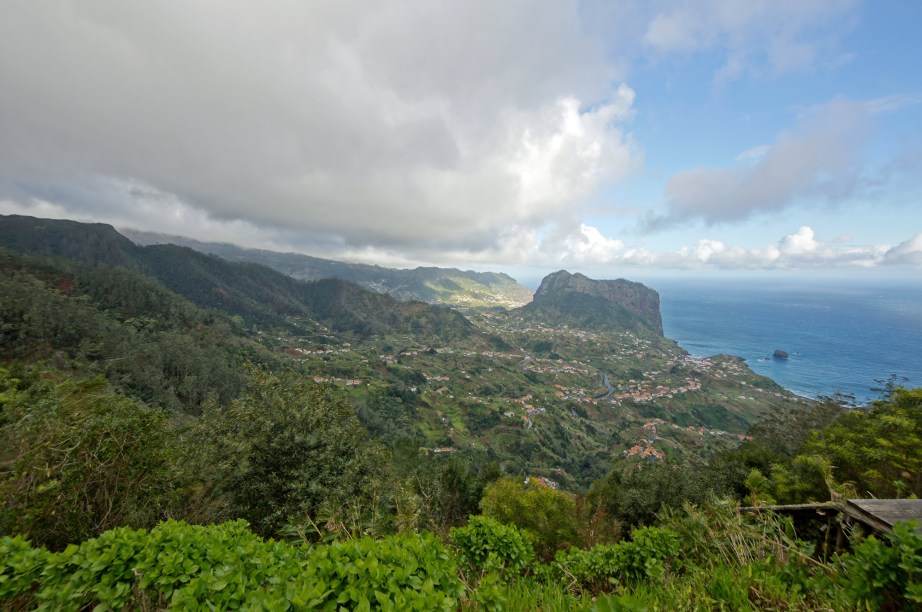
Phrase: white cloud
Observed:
(801, 241)
(754, 154)
(778, 35)
(588, 245)
(894, 102)
(798, 250)
(403, 132)
(566, 155)
(375, 125)
(908, 252)
(379, 125)
(819, 159)
(587, 248)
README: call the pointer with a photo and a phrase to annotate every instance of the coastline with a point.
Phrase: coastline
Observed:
(844, 340)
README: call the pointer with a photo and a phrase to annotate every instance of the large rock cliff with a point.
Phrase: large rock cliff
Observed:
(637, 298)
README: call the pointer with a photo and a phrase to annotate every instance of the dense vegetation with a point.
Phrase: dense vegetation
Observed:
(151, 344)
(731, 565)
(156, 452)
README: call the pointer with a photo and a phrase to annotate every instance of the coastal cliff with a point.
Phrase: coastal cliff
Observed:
(636, 299)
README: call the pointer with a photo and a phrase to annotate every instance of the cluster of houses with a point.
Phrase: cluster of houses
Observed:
(641, 351)
(436, 378)
(645, 451)
(569, 393)
(638, 393)
(324, 351)
(529, 408)
(649, 428)
(493, 355)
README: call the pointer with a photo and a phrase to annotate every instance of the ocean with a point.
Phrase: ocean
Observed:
(839, 336)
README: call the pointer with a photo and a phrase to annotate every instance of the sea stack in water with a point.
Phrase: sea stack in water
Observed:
(779, 354)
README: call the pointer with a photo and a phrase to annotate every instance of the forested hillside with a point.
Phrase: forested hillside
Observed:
(257, 294)
(151, 344)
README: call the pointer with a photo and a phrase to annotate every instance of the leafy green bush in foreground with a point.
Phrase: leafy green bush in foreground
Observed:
(485, 544)
(887, 576)
(602, 567)
(229, 567)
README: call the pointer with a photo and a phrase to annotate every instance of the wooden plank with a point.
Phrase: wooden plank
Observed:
(788, 508)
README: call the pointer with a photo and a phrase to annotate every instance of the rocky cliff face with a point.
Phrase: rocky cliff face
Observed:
(635, 297)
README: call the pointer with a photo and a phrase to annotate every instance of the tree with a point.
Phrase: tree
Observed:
(806, 479)
(286, 450)
(549, 515)
(635, 493)
(878, 449)
(81, 460)
(451, 488)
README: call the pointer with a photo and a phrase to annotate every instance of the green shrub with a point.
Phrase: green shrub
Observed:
(20, 569)
(602, 567)
(549, 515)
(596, 570)
(97, 571)
(886, 575)
(187, 565)
(403, 572)
(646, 554)
(229, 567)
(487, 545)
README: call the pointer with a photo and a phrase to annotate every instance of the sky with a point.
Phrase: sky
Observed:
(628, 138)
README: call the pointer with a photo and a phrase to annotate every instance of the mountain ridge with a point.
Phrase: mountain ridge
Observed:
(434, 285)
(256, 293)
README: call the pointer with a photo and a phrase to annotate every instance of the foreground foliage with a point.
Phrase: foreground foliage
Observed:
(488, 566)
(878, 449)
(83, 460)
(228, 567)
(284, 451)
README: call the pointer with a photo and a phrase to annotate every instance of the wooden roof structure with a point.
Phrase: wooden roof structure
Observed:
(879, 515)
(882, 514)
